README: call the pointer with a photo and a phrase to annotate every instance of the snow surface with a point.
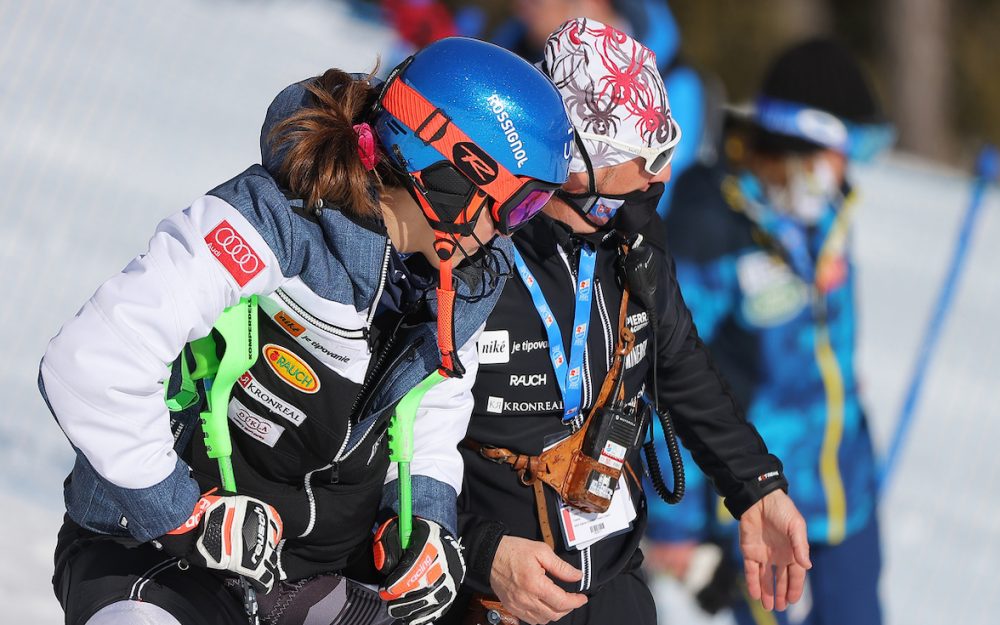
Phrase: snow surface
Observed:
(114, 114)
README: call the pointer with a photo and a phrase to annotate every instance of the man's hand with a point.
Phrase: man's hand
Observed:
(423, 579)
(230, 533)
(773, 536)
(520, 582)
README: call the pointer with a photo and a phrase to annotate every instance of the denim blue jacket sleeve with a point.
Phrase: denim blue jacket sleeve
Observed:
(432, 500)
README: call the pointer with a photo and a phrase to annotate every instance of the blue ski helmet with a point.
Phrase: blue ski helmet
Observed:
(463, 110)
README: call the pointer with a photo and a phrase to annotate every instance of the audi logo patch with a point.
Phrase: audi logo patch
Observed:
(235, 254)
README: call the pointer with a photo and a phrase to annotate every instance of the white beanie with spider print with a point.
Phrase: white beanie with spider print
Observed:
(612, 91)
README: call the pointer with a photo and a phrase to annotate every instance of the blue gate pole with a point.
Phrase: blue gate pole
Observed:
(987, 169)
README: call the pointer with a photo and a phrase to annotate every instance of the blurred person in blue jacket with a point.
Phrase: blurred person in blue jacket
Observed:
(695, 96)
(761, 245)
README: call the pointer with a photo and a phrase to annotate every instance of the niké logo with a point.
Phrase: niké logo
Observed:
(472, 161)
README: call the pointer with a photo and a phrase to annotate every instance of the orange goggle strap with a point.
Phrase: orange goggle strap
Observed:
(451, 366)
(434, 128)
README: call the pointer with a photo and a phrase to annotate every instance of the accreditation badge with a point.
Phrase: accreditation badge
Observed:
(582, 529)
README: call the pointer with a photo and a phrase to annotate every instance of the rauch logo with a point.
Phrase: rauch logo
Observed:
(291, 369)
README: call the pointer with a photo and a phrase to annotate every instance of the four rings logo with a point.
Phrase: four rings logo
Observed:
(235, 254)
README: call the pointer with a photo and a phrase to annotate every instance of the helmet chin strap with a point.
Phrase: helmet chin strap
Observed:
(445, 246)
(451, 366)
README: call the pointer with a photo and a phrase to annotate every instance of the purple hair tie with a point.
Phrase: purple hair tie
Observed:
(366, 146)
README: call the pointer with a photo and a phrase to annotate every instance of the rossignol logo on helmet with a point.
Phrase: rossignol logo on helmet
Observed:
(509, 129)
(472, 161)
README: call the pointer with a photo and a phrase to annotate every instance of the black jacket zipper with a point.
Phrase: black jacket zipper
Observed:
(345, 333)
(368, 392)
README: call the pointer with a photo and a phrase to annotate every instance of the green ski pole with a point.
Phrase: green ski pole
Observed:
(238, 327)
(401, 449)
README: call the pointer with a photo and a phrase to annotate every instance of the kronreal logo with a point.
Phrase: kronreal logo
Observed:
(532, 406)
(273, 403)
(291, 369)
(232, 250)
(494, 347)
(288, 324)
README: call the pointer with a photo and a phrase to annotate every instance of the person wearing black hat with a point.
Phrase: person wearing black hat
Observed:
(761, 245)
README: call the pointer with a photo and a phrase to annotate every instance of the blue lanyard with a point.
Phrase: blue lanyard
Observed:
(568, 375)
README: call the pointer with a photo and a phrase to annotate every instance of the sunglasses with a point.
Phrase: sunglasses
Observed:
(656, 157)
(467, 172)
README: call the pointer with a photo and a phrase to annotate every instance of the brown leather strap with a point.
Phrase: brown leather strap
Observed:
(626, 340)
(543, 515)
(526, 466)
(631, 472)
(480, 607)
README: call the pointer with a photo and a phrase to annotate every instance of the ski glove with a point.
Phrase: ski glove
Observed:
(423, 579)
(230, 533)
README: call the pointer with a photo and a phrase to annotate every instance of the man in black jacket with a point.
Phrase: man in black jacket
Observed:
(548, 346)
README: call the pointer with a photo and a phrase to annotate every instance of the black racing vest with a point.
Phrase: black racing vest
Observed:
(518, 404)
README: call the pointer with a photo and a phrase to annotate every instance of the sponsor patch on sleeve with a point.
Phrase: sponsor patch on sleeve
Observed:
(232, 250)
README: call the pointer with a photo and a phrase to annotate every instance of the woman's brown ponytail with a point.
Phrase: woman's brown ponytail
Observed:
(321, 161)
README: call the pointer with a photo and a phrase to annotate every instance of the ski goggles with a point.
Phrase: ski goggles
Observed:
(453, 200)
(656, 158)
(515, 199)
(858, 142)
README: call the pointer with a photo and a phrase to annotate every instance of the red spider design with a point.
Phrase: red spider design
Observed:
(625, 85)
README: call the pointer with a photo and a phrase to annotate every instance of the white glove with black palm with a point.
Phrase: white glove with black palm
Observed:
(230, 533)
(422, 581)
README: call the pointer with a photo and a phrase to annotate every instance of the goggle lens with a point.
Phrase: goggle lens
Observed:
(527, 208)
